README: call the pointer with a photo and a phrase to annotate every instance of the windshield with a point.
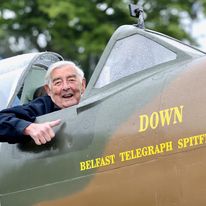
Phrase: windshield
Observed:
(131, 55)
(11, 70)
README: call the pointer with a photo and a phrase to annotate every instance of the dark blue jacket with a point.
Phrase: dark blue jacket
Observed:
(14, 120)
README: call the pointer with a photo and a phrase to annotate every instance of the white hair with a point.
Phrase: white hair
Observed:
(59, 64)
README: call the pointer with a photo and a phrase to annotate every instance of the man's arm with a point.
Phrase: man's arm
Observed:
(14, 121)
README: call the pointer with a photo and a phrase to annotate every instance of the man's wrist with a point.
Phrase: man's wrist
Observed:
(26, 130)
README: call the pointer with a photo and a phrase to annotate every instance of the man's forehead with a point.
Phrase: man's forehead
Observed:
(58, 77)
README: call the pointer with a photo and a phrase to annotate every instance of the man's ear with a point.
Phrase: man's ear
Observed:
(47, 89)
(83, 85)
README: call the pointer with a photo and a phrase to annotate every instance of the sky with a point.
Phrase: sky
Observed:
(199, 32)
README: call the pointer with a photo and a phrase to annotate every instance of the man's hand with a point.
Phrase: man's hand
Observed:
(41, 133)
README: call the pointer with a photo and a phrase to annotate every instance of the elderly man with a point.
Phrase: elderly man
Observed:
(64, 84)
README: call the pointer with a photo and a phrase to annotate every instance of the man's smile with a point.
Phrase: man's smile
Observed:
(68, 95)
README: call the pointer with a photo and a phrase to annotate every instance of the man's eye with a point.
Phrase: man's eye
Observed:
(57, 83)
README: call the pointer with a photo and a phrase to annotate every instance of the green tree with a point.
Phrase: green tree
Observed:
(79, 30)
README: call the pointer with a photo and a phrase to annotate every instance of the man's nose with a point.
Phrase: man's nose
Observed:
(66, 85)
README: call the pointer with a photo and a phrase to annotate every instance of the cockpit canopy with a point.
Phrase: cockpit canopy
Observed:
(21, 75)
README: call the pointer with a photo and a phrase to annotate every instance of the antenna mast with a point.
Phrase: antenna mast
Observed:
(136, 10)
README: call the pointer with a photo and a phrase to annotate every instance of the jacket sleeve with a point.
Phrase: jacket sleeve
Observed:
(14, 120)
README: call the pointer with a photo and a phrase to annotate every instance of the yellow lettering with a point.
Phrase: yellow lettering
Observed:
(191, 141)
(162, 147)
(102, 162)
(154, 120)
(98, 162)
(144, 123)
(178, 114)
(128, 157)
(144, 152)
(157, 150)
(202, 139)
(151, 150)
(88, 164)
(169, 146)
(180, 144)
(195, 138)
(165, 116)
(82, 166)
(186, 141)
(112, 159)
(138, 153)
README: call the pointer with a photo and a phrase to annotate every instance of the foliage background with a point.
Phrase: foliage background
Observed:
(79, 30)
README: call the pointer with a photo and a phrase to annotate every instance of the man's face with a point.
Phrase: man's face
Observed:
(66, 86)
